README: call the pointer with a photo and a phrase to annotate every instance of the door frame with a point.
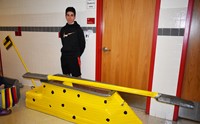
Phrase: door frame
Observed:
(153, 53)
(184, 54)
(99, 32)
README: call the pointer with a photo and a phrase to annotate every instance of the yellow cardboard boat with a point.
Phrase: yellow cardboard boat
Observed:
(84, 101)
(81, 107)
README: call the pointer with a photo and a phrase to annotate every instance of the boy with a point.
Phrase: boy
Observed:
(73, 44)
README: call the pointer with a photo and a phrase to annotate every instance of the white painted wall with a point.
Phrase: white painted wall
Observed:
(41, 50)
(168, 55)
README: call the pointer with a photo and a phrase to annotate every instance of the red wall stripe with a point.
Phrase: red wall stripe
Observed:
(183, 55)
(153, 53)
(18, 32)
(99, 16)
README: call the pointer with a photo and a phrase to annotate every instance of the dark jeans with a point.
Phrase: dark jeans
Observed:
(71, 65)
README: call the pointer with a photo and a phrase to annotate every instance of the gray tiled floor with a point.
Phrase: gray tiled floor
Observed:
(22, 115)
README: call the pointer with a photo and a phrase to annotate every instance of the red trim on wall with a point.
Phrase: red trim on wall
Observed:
(18, 32)
(99, 30)
(183, 55)
(153, 53)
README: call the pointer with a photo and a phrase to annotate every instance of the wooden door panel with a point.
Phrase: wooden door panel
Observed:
(127, 31)
(191, 81)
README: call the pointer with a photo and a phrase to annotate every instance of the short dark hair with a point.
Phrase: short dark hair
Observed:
(70, 9)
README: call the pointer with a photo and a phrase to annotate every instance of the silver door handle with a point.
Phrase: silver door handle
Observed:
(105, 49)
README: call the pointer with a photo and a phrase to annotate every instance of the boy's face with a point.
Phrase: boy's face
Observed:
(70, 17)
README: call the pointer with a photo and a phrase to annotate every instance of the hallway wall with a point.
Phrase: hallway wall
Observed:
(39, 43)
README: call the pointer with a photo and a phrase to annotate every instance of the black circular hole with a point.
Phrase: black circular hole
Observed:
(32, 87)
(64, 91)
(74, 117)
(44, 86)
(105, 101)
(84, 108)
(125, 112)
(107, 119)
(78, 95)
(63, 105)
(52, 92)
(49, 105)
(33, 100)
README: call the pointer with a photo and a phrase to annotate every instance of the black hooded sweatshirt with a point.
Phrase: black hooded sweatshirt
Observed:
(73, 40)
